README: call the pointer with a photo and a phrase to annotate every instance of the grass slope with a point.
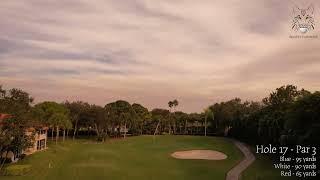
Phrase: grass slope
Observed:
(135, 158)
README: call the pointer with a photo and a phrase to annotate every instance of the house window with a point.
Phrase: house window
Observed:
(40, 132)
(41, 144)
(38, 145)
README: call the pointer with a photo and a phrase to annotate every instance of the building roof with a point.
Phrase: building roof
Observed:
(33, 125)
(36, 128)
(3, 117)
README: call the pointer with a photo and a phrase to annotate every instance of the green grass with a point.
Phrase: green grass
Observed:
(17, 170)
(262, 169)
(135, 158)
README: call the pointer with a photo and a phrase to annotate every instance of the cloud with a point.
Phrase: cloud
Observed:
(151, 52)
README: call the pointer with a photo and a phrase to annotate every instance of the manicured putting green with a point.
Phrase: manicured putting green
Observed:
(134, 158)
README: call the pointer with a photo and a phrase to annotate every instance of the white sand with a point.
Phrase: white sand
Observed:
(199, 154)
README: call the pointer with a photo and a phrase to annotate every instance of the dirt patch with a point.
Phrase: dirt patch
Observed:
(199, 154)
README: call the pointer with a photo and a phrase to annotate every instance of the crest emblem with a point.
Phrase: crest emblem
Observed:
(303, 19)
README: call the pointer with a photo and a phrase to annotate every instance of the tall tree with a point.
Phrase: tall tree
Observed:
(77, 109)
(181, 119)
(175, 104)
(52, 114)
(142, 115)
(100, 122)
(170, 104)
(17, 103)
(207, 114)
(274, 112)
(302, 124)
(194, 121)
(124, 114)
(159, 115)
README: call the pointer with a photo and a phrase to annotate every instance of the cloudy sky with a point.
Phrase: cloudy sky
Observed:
(153, 51)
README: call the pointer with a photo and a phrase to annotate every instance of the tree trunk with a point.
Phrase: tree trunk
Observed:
(112, 130)
(170, 121)
(52, 129)
(185, 127)
(67, 133)
(57, 134)
(96, 129)
(156, 128)
(205, 126)
(64, 135)
(4, 160)
(75, 130)
(104, 134)
(174, 126)
(125, 130)
(216, 122)
(175, 130)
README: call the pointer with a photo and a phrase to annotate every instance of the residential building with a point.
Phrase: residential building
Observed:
(39, 141)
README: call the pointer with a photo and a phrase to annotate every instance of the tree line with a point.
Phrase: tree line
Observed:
(287, 116)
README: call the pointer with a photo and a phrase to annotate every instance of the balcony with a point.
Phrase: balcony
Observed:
(41, 136)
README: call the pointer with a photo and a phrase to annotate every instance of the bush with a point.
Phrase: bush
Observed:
(22, 156)
(16, 170)
(6, 161)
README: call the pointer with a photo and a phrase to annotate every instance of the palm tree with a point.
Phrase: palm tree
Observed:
(66, 125)
(207, 113)
(170, 104)
(60, 120)
(52, 114)
(175, 104)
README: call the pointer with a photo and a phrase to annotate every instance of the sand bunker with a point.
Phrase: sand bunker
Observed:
(199, 154)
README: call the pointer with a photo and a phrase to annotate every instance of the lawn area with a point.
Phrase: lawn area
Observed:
(135, 158)
(262, 169)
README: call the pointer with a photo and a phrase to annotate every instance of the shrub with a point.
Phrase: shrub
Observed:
(22, 156)
(16, 170)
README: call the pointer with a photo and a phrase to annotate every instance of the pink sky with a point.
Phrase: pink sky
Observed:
(150, 52)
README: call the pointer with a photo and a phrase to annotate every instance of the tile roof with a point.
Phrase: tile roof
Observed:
(3, 116)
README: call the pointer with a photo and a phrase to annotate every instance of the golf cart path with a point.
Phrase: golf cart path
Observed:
(235, 172)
